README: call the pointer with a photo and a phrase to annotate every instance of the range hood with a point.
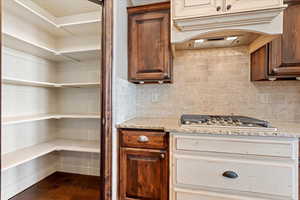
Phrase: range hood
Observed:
(224, 23)
(219, 40)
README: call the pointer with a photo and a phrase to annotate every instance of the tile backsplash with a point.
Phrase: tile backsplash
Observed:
(217, 81)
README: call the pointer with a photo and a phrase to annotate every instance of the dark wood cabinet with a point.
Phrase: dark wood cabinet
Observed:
(149, 45)
(143, 172)
(281, 57)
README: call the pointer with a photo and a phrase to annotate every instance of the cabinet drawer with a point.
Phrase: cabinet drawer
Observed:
(260, 147)
(250, 176)
(143, 139)
(244, 5)
(196, 8)
(203, 195)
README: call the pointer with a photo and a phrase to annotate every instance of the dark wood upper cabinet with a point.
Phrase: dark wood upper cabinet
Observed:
(149, 45)
(143, 165)
(281, 57)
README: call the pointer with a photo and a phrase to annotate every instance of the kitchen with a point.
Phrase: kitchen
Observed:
(202, 101)
(209, 76)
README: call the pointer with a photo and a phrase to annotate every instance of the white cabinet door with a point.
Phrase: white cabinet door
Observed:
(249, 5)
(190, 8)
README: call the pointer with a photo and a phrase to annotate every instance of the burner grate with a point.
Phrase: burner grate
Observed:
(223, 120)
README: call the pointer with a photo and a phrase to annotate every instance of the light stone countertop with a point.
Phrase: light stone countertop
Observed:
(284, 129)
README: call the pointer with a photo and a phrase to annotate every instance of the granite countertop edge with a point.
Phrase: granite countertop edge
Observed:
(284, 129)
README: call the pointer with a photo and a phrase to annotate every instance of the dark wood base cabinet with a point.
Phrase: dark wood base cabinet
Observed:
(143, 165)
(280, 59)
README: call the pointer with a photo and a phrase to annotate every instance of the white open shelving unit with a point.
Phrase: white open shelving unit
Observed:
(64, 38)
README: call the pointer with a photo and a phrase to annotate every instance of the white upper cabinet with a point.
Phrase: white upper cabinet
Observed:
(190, 8)
(233, 6)
(193, 18)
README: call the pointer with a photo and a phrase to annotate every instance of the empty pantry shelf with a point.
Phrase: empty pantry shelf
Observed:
(13, 159)
(79, 85)
(32, 118)
(13, 41)
(16, 81)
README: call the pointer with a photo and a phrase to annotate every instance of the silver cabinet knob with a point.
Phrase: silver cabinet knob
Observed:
(162, 156)
(143, 139)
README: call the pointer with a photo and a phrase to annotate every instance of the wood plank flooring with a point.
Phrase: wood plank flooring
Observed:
(63, 186)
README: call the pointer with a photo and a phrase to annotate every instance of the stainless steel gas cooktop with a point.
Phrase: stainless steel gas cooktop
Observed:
(224, 121)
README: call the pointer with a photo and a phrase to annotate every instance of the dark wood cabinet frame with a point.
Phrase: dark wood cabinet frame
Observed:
(106, 99)
(105, 185)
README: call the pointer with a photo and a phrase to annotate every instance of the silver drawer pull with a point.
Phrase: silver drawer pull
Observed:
(143, 139)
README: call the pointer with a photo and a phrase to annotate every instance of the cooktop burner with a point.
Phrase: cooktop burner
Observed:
(219, 120)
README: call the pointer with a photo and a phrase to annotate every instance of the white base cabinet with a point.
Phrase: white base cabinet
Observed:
(233, 167)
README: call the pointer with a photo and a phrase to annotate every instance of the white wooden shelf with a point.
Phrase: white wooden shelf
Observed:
(75, 55)
(32, 118)
(20, 44)
(82, 54)
(76, 24)
(80, 85)
(15, 81)
(13, 159)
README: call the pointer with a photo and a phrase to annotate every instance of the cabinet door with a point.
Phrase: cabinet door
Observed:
(285, 51)
(246, 5)
(143, 174)
(259, 64)
(189, 8)
(149, 46)
(291, 35)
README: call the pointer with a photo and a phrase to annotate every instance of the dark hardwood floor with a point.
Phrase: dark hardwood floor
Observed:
(63, 186)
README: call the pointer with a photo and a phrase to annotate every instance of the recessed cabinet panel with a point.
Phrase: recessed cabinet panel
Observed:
(149, 43)
(291, 35)
(143, 174)
(246, 5)
(259, 64)
(196, 7)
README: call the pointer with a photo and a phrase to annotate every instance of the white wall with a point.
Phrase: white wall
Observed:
(124, 93)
